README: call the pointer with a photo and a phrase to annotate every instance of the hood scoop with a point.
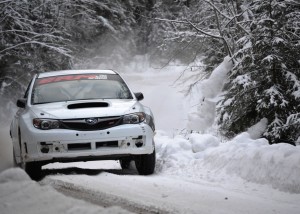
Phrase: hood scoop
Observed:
(88, 105)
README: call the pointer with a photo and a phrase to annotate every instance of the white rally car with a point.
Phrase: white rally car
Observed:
(82, 115)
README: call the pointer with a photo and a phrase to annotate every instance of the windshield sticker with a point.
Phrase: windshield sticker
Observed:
(101, 77)
(71, 77)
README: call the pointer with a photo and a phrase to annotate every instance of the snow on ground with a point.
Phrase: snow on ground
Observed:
(19, 194)
(253, 160)
(177, 195)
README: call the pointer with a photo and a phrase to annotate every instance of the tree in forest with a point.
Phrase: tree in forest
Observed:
(189, 30)
(30, 37)
(171, 39)
(265, 82)
(31, 42)
(229, 20)
(104, 32)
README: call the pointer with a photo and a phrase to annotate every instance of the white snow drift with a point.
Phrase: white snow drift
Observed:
(253, 160)
(209, 90)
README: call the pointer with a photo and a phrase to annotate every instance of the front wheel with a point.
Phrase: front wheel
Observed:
(15, 159)
(33, 169)
(125, 163)
(145, 164)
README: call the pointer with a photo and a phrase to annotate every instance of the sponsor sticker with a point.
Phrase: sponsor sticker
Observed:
(72, 77)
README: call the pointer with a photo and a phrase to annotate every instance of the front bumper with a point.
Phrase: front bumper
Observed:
(71, 145)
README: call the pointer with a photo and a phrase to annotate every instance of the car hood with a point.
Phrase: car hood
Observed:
(86, 109)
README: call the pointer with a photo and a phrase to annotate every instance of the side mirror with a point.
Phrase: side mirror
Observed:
(139, 96)
(21, 103)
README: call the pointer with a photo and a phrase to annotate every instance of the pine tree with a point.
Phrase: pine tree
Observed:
(265, 82)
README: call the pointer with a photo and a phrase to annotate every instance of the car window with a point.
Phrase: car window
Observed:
(79, 87)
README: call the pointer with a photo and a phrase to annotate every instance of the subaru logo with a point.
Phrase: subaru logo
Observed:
(91, 121)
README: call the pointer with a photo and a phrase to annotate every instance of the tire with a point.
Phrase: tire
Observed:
(14, 159)
(125, 163)
(145, 164)
(34, 170)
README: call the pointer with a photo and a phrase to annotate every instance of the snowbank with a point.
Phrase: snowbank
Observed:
(257, 130)
(6, 150)
(204, 116)
(253, 160)
(19, 194)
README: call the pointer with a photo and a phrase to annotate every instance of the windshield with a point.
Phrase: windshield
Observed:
(79, 87)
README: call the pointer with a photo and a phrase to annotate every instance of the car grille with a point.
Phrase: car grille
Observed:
(96, 124)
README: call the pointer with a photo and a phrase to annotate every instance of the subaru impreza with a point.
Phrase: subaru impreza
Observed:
(82, 115)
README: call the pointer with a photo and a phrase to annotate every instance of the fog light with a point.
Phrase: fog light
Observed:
(139, 144)
(45, 149)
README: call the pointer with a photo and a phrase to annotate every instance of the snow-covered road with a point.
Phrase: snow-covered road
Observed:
(170, 194)
(195, 175)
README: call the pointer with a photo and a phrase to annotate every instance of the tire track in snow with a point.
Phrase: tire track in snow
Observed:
(103, 199)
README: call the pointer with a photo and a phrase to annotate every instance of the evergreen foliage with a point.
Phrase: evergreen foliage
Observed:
(265, 82)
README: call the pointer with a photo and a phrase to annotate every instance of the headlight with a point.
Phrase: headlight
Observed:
(133, 118)
(45, 124)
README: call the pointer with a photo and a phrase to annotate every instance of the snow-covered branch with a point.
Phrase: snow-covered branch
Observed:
(217, 9)
(60, 50)
(187, 22)
(203, 32)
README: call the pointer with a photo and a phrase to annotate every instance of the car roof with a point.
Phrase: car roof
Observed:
(68, 72)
